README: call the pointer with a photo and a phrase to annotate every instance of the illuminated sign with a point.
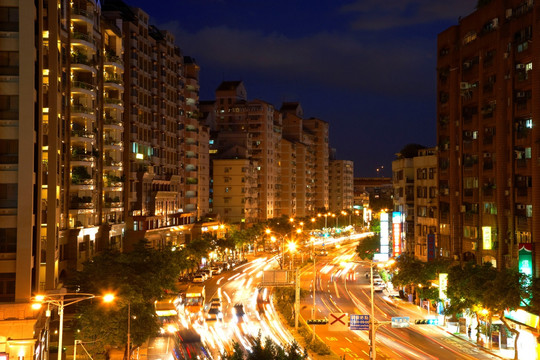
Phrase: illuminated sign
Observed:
(384, 229)
(525, 264)
(431, 247)
(443, 285)
(523, 317)
(396, 232)
(525, 259)
(486, 237)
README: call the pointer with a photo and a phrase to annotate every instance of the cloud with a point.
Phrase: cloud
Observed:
(391, 14)
(332, 59)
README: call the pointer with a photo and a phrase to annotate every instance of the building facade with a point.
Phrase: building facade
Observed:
(487, 135)
(341, 180)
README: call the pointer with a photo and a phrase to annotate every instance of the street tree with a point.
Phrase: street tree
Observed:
(137, 278)
(367, 247)
(506, 291)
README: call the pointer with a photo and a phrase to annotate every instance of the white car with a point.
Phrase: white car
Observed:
(198, 279)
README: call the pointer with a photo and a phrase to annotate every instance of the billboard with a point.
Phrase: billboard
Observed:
(396, 232)
(486, 238)
(431, 247)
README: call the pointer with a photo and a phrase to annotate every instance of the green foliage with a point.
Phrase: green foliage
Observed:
(137, 278)
(367, 247)
(267, 350)
(375, 225)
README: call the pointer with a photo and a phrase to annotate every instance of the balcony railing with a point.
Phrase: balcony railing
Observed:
(86, 14)
(82, 109)
(82, 85)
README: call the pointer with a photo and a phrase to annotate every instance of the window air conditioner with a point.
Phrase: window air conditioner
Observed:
(520, 66)
(464, 85)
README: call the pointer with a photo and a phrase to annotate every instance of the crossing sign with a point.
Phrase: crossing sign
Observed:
(359, 322)
(338, 322)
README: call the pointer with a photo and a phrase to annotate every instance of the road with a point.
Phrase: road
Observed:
(339, 291)
(340, 288)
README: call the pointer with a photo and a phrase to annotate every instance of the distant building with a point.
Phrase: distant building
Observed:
(341, 180)
(375, 193)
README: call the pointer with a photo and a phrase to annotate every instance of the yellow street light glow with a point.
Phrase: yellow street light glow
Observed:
(291, 219)
(292, 246)
(301, 223)
(273, 238)
(108, 298)
(298, 231)
(39, 297)
(36, 306)
(268, 231)
(312, 219)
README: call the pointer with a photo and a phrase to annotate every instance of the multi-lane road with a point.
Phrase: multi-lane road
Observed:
(341, 287)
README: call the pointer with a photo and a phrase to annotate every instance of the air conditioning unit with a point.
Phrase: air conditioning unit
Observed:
(464, 85)
(463, 208)
(487, 155)
(507, 192)
(520, 66)
(508, 13)
(520, 94)
(520, 207)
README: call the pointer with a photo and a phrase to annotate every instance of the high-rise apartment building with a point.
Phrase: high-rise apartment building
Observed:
(488, 109)
(341, 180)
(403, 181)
(62, 148)
(162, 131)
(93, 112)
(320, 131)
(259, 119)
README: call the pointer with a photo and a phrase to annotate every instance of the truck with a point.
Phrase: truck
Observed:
(194, 299)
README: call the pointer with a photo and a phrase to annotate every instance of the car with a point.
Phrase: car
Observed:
(214, 314)
(239, 315)
(323, 253)
(198, 279)
(378, 287)
(203, 274)
(208, 272)
(216, 270)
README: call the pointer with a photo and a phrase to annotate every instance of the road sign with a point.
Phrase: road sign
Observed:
(317, 321)
(427, 321)
(359, 322)
(338, 322)
(400, 322)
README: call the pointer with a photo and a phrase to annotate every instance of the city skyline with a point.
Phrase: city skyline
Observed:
(364, 67)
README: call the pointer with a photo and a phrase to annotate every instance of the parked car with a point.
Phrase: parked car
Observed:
(208, 272)
(198, 279)
(216, 270)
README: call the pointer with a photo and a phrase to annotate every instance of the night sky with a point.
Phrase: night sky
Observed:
(367, 67)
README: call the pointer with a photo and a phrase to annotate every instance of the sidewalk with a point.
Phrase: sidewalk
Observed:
(423, 313)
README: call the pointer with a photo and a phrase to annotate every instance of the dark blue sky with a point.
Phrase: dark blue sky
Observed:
(367, 67)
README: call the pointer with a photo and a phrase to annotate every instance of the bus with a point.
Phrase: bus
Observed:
(167, 313)
(194, 299)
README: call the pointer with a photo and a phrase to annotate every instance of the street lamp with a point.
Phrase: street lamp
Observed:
(61, 300)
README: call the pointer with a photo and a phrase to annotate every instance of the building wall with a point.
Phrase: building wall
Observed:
(235, 190)
(487, 109)
(321, 191)
(403, 181)
(341, 180)
(425, 200)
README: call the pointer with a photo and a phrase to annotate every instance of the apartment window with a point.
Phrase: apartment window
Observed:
(9, 62)
(7, 287)
(227, 189)
(8, 240)
(9, 18)
(8, 195)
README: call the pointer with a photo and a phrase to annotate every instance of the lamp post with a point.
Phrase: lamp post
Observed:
(61, 300)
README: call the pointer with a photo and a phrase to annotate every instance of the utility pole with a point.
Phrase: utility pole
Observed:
(372, 349)
(314, 286)
(296, 297)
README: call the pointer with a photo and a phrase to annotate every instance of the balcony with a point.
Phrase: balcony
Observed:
(84, 202)
(113, 103)
(83, 111)
(82, 15)
(82, 136)
(112, 60)
(113, 81)
(113, 144)
(110, 122)
(84, 40)
(81, 87)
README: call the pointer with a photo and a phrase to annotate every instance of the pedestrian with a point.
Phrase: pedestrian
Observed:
(469, 331)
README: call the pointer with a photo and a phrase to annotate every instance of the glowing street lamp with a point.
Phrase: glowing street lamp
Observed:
(61, 300)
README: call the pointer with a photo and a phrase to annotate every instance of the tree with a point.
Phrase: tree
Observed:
(137, 278)
(367, 247)
(506, 291)
(267, 350)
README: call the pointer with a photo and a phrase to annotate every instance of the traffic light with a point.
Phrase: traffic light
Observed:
(426, 321)
(317, 321)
